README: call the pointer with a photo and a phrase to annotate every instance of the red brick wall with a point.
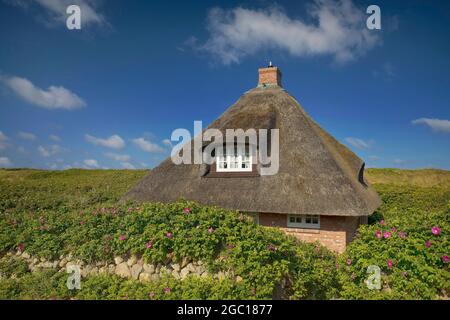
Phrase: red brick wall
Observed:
(335, 231)
(270, 75)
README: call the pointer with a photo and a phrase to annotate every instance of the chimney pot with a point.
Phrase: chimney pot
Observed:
(269, 76)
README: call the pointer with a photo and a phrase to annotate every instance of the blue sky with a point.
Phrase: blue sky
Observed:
(110, 95)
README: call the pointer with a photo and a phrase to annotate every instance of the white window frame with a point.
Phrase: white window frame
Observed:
(303, 221)
(237, 159)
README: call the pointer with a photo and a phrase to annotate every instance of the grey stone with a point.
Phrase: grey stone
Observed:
(94, 271)
(63, 262)
(85, 271)
(122, 270)
(136, 270)
(111, 269)
(184, 273)
(175, 266)
(155, 277)
(132, 260)
(118, 260)
(184, 262)
(26, 255)
(191, 267)
(145, 277)
(149, 268)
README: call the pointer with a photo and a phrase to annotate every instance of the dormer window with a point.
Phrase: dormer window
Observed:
(235, 159)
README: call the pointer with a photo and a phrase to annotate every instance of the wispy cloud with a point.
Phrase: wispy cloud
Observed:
(55, 97)
(334, 28)
(148, 146)
(3, 141)
(27, 136)
(399, 162)
(437, 125)
(113, 142)
(386, 72)
(54, 137)
(91, 163)
(118, 157)
(49, 151)
(358, 143)
(5, 162)
(127, 165)
(56, 10)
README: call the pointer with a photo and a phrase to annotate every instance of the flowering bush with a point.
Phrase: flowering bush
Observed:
(409, 244)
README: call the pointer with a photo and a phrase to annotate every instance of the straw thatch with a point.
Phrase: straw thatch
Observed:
(317, 174)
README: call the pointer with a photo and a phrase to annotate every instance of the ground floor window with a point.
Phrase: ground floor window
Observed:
(303, 221)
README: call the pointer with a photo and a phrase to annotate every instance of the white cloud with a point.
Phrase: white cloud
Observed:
(127, 165)
(357, 143)
(147, 145)
(5, 162)
(118, 157)
(26, 136)
(399, 162)
(437, 125)
(338, 29)
(168, 143)
(3, 141)
(54, 137)
(92, 163)
(56, 10)
(114, 142)
(55, 97)
(49, 151)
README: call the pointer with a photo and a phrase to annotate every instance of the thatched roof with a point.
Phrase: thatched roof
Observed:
(317, 174)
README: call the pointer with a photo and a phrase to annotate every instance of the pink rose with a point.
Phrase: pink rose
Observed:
(122, 237)
(445, 259)
(382, 222)
(169, 235)
(149, 245)
(167, 290)
(349, 262)
(390, 264)
(387, 235)
(21, 247)
(378, 234)
(210, 229)
(187, 210)
(394, 229)
(428, 243)
(82, 222)
(402, 235)
(436, 231)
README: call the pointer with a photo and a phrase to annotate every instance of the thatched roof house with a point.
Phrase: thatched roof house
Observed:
(319, 192)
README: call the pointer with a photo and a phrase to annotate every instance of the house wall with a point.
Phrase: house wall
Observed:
(335, 231)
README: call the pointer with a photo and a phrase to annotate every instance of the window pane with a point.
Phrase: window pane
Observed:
(299, 219)
(315, 219)
(291, 219)
(308, 219)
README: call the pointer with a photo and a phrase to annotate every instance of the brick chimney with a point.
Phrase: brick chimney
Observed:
(269, 76)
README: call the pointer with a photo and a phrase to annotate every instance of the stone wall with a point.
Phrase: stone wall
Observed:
(126, 267)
